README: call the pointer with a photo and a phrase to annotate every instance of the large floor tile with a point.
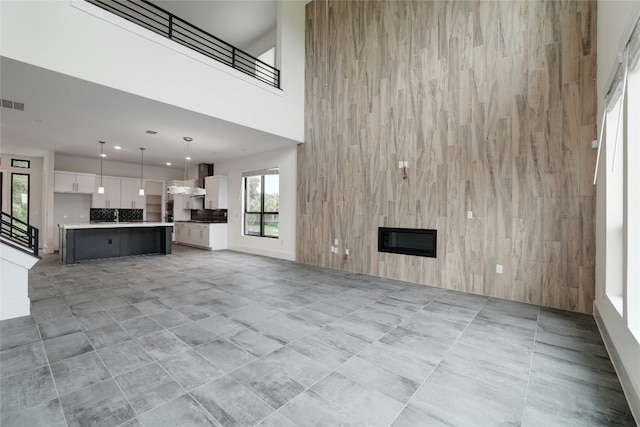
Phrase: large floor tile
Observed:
(386, 382)
(124, 357)
(46, 414)
(324, 354)
(20, 359)
(254, 342)
(224, 354)
(100, 404)
(311, 409)
(148, 387)
(190, 369)
(194, 334)
(170, 318)
(57, 327)
(297, 366)
(365, 404)
(18, 332)
(162, 345)
(141, 326)
(60, 348)
(182, 411)
(77, 372)
(325, 347)
(107, 335)
(230, 403)
(24, 390)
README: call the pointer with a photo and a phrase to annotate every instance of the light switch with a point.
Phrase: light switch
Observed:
(470, 214)
(499, 268)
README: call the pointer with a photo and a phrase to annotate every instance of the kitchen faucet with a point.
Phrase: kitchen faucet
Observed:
(116, 215)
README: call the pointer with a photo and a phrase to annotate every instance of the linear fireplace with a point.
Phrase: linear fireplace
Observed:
(408, 241)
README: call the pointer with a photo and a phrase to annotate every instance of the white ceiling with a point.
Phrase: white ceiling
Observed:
(238, 22)
(70, 115)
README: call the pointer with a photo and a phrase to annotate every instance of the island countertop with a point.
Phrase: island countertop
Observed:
(84, 225)
(95, 240)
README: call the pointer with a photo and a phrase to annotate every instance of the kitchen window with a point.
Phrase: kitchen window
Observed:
(20, 193)
(262, 203)
(23, 164)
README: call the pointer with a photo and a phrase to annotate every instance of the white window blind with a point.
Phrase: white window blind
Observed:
(270, 171)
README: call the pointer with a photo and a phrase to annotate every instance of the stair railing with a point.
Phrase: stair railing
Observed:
(19, 233)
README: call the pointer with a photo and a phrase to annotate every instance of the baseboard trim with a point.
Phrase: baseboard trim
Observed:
(630, 392)
(264, 252)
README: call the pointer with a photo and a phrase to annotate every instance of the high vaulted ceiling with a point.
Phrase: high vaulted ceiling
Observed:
(63, 113)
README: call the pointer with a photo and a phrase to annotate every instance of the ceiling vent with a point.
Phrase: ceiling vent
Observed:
(151, 132)
(13, 104)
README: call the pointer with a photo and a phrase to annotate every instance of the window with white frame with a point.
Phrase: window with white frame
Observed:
(631, 188)
(261, 203)
(621, 128)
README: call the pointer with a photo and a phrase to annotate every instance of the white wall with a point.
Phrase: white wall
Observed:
(103, 48)
(285, 246)
(14, 282)
(614, 24)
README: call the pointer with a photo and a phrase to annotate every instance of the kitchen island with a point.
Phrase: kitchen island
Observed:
(95, 240)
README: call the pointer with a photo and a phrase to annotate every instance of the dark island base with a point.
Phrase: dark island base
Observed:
(95, 243)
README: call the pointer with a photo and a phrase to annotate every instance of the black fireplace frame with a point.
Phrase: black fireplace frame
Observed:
(386, 231)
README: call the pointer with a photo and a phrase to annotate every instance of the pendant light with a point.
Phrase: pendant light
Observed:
(141, 191)
(102, 155)
(187, 158)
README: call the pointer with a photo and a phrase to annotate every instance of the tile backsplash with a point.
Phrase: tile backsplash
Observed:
(209, 215)
(124, 215)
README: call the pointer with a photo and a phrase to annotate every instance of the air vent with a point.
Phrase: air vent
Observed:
(13, 104)
(151, 132)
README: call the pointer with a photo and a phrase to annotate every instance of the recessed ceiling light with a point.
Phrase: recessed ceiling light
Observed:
(187, 158)
(117, 147)
(151, 132)
(168, 163)
(103, 155)
(188, 138)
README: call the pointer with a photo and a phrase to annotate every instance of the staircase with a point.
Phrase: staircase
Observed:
(18, 254)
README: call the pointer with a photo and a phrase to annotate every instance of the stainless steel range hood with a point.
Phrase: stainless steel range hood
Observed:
(192, 187)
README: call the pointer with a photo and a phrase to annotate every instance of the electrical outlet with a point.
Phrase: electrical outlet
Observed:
(499, 268)
(400, 164)
(470, 214)
(406, 164)
(594, 143)
(333, 249)
(346, 251)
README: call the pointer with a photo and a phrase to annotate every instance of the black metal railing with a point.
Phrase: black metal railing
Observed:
(19, 234)
(166, 24)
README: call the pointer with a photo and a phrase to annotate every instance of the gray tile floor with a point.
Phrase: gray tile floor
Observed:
(200, 338)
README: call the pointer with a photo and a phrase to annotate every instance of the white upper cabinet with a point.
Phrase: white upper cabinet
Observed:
(129, 197)
(216, 188)
(68, 182)
(111, 196)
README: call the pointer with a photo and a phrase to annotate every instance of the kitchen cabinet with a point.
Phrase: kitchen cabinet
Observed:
(111, 196)
(195, 202)
(129, 194)
(216, 188)
(154, 204)
(68, 182)
(209, 236)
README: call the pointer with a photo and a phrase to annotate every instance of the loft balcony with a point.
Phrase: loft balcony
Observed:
(166, 24)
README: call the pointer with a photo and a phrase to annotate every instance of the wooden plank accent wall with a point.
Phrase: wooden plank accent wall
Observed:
(493, 104)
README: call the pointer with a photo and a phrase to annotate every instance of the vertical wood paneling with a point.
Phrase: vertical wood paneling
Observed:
(493, 104)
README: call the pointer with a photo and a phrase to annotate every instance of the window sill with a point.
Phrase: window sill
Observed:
(617, 302)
